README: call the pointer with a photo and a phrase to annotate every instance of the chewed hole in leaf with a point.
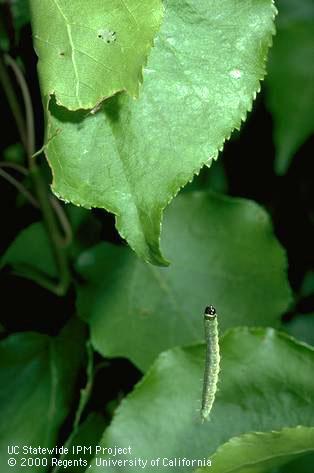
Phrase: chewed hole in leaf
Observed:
(235, 73)
(107, 35)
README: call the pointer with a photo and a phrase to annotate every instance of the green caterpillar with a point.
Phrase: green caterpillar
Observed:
(212, 361)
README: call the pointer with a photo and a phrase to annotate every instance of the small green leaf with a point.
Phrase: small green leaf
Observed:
(87, 435)
(30, 254)
(303, 464)
(132, 157)
(88, 51)
(20, 13)
(4, 40)
(38, 378)
(86, 391)
(290, 79)
(31, 251)
(224, 252)
(17, 13)
(307, 286)
(14, 153)
(302, 327)
(266, 384)
(261, 452)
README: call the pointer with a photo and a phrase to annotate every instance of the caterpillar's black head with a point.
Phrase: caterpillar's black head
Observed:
(210, 312)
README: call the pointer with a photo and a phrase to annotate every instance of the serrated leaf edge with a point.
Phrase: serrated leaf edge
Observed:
(158, 258)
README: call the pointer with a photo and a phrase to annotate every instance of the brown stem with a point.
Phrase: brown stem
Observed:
(43, 193)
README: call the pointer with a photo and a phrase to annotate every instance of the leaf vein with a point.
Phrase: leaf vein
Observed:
(69, 33)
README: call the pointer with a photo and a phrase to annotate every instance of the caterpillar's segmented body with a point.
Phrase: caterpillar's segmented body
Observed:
(212, 361)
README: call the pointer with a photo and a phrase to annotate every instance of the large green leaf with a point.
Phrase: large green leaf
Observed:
(266, 384)
(89, 51)
(38, 377)
(290, 79)
(132, 157)
(260, 452)
(224, 252)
